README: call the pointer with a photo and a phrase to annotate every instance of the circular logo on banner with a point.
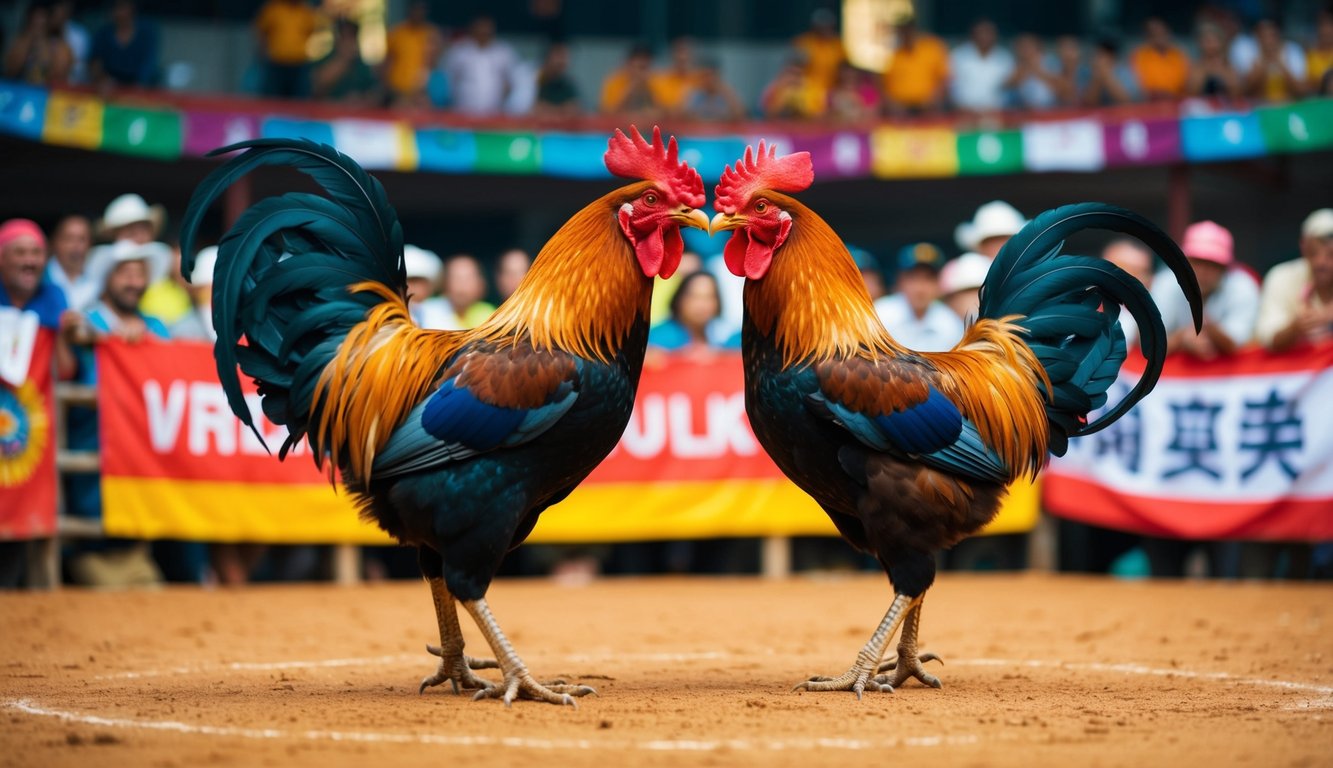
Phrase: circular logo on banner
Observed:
(1134, 139)
(989, 149)
(24, 432)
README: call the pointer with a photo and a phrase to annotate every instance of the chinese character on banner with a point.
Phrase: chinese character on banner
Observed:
(1271, 428)
(1194, 434)
(27, 440)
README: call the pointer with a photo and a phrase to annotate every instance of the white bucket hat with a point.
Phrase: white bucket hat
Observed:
(964, 273)
(994, 219)
(419, 262)
(105, 258)
(204, 264)
(128, 209)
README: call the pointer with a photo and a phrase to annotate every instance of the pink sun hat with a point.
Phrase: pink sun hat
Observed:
(1209, 241)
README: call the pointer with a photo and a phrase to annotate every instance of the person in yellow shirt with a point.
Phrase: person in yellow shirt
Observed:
(284, 28)
(1162, 69)
(794, 93)
(411, 49)
(918, 74)
(822, 47)
(673, 86)
(629, 90)
(1319, 59)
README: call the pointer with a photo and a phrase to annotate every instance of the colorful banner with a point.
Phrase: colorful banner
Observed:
(377, 144)
(22, 111)
(206, 131)
(1300, 127)
(148, 132)
(1141, 142)
(73, 120)
(1065, 145)
(913, 152)
(1237, 448)
(991, 152)
(27, 437)
(1222, 137)
(177, 464)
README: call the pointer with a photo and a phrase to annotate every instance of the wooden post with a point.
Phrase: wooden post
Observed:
(235, 200)
(776, 557)
(1178, 209)
(347, 564)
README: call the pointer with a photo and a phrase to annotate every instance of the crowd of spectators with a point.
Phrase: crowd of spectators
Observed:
(302, 53)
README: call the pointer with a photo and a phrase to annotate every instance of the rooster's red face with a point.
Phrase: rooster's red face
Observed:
(761, 228)
(652, 222)
(747, 202)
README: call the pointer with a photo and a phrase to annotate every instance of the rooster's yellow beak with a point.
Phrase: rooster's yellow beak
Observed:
(726, 221)
(691, 217)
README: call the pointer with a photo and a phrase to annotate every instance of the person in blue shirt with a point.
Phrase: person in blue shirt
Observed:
(125, 50)
(695, 322)
(23, 285)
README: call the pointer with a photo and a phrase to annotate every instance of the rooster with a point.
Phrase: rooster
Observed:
(452, 441)
(909, 452)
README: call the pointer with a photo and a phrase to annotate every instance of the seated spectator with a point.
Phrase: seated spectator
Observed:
(410, 51)
(68, 268)
(1110, 82)
(694, 325)
(822, 47)
(39, 54)
(979, 69)
(465, 288)
(1137, 259)
(557, 95)
(1034, 83)
(22, 285)
(673, 86)
(960, 285)
(428, 309)
(1319, 59)
(510, 269)
(852, 99)
(343, 75)
(1211, 74)
(712, 98)
(629, 90)
(125, 50)
(990, 228)
(129, 217)
(1297, 302)
(659, 306)
(871, 275)
(283, 28)
(794, 94)
(913, 314)
(1230, 296)
(1278, 70)
(75, 36)
(197, 324)
(917, 75)
(480, 69)
(1072, 72)
(1161, 67)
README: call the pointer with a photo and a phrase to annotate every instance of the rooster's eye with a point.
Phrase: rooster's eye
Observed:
(650, 198)
(760, 206)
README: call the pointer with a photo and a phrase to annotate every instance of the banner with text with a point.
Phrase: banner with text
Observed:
(177, 464)
(27, 439)
(1237, 448)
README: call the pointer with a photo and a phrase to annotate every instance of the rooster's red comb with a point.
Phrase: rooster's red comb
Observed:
(632, 157)
(762, 170)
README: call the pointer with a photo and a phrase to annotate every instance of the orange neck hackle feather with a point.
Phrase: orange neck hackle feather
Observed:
(815, 306)
(582, 295)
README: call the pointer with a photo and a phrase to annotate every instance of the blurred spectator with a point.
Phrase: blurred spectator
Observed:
(410, 52)
(125, 50)
(852, 99)
(465, 287)
(480, 69)
(1278, 71)
(979, 69)
(1319, 59)
(510, 269)
(75, 36)
(822, 47)
(22, 285)
(123, 271)
(1137, 259)
(428, 309)
(1110, 81)
(284, 28)
(673, 86)
(917, 75)
(794, 93)
(39, 54)
(990, 228)
(556, 92)
(130, 217)
(197, 324)
(871, 275)
(694, 325)
(1297, 301)
(629, 90)
(1073, 73)
(1034, 82)
(1211, 74)
(960, 285)
(712, 98)
(914, 314)
(1230, 296)
(68, 269)
(1161, 67)
(343, 75)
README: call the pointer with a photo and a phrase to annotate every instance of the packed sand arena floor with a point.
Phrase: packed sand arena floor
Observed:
(1038, 670)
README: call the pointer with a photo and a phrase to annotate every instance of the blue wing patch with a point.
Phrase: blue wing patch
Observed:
(454, 415)
(930, 425)
(969, 456)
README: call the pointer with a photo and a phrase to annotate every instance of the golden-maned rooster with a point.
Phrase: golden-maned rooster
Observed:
(451, 441)
(909, 452)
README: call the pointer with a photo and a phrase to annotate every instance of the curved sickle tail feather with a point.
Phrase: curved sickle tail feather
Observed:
(295, 275)
(1069, 307)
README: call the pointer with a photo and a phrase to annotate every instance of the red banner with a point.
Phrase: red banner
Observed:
(28, 447)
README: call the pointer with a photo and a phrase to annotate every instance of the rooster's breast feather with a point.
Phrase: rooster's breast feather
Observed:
(492, 397)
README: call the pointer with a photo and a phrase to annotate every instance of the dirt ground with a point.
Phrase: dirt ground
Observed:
(1039, 670)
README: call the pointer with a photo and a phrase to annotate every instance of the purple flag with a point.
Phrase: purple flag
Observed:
(206, 131)
(1141, 142)
(844, 154)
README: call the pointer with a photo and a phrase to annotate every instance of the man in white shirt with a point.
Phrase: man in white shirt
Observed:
(913, 314)
(1230, 296)
(979, 70)
(68, 267)
(1297, 302)
(480, 70)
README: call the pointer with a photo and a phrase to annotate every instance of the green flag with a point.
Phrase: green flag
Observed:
(507, 153)
(148, 132)
(990, 152)
(1300, 127)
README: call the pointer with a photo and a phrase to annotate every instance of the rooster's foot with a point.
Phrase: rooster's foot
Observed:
(905, 668)
(520, 685)
(858, 679)
(457, 669)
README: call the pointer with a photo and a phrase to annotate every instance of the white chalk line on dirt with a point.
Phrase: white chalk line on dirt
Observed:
(653, 745)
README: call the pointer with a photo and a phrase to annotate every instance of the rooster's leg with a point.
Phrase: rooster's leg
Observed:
(517, 680)
(454, 665)
(909, 661)
(861, 675)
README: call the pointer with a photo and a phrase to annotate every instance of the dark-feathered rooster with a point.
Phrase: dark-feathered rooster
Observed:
(451, 441)
(910, 452)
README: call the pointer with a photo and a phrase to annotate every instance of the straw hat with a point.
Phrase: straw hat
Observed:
(104, 259)
(964, 273)
(419, 262)
(994, 219)
(128, 209)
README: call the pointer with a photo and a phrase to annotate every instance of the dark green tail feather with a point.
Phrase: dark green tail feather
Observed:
(283, 271)
(1069, 306)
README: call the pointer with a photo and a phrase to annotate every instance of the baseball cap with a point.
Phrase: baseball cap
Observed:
(920, 255)
(1208, 241)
